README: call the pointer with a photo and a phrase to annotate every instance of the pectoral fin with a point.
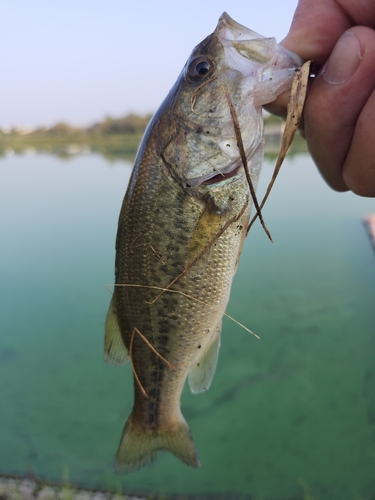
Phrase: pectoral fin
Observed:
(209, 225)
(115, 351)
(201, 375)
(208, 229)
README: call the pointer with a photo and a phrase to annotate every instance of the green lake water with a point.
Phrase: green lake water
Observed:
(290, 416)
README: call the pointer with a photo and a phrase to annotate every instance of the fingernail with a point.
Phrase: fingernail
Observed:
(344, 59)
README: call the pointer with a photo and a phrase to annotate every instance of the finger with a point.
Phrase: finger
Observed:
(279, 105)
(315, 28)
(359, 166)
(334, 105)
(313, 34)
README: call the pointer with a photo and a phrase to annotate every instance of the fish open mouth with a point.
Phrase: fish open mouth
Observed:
(220, 177)
(214, 177)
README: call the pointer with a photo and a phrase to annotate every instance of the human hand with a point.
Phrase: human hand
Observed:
(339, 114)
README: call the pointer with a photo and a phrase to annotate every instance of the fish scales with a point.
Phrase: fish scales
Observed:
(181, 230)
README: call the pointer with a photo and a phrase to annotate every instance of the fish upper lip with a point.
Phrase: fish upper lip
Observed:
(230, 29)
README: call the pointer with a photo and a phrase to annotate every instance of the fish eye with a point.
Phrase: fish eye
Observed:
(200, 67)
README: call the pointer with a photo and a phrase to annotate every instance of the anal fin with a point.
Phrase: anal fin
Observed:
(200, 377)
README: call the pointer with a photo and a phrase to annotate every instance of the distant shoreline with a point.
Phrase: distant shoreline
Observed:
(112, 138)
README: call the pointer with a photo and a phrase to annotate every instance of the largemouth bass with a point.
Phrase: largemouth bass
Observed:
(181, 230)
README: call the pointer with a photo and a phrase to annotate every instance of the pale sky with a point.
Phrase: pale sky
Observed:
(79, 61)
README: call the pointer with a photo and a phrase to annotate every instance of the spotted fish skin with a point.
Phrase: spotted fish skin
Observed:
(181, 230)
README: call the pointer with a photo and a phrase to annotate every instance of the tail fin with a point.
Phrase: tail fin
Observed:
(139, 448)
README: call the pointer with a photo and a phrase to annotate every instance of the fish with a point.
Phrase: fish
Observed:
(181, 228)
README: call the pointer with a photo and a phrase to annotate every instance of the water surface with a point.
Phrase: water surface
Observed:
(291, 413)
